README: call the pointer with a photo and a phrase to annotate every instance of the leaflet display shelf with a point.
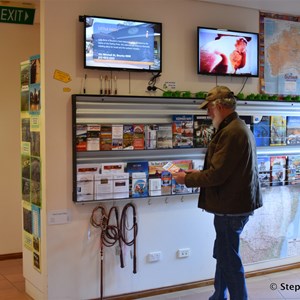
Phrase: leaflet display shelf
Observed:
(271, 108)
(88, 109)
(97, 109)
(249, 107)
(278, 150)
(93, 109)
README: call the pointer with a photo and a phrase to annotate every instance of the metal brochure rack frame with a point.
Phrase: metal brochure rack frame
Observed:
(155, 110)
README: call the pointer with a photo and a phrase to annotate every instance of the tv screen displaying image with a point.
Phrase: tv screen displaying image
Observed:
(225, 52)
(121, 44)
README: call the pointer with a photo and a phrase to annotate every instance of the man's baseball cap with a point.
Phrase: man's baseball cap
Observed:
(218, 92)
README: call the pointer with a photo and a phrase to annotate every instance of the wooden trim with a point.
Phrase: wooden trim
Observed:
(197, 284)
(11, 256)
(163, 290)
(273, 270)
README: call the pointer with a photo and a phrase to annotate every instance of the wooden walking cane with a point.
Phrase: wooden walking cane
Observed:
(125, 228)
(101, 265)
(99, 220)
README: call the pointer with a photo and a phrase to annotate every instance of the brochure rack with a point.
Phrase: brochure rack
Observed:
(97, 109)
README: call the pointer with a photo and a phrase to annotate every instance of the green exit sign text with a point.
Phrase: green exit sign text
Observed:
(17, 15)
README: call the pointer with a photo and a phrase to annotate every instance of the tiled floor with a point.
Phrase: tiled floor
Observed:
(12, 284)
(281, 285)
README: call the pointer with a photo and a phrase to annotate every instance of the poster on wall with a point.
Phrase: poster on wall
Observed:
(34, 92)
(30, 131)
(274, 230)
(27, 226)
(25, 167)
(36, 236)
(25, 73)
(278, 71)
(30, 107)
(34, 85)
(35, 68)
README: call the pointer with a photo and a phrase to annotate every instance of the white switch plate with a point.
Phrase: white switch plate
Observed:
(154, 256)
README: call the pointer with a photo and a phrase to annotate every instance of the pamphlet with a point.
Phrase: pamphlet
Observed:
(139, 185)
(85, 187)
(120, 185)
(93, 137)
(117, 137)
(114, 167)
(154, 186)
(172, 168)
(103, 186)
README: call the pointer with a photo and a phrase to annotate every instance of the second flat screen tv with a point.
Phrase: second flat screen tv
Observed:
(224, 52)
(119, 44)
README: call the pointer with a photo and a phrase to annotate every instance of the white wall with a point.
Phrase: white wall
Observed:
(18, 42)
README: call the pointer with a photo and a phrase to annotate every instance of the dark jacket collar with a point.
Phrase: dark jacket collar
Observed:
(228, 119)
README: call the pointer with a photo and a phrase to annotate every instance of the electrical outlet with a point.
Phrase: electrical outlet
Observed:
(184, 252)
(154, 256)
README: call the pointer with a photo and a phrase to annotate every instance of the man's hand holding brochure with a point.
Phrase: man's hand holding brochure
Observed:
(177, 173)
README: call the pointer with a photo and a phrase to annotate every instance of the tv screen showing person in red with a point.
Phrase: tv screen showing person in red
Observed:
(227, 53)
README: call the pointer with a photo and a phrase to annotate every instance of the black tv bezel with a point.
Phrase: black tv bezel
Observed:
(83, 19)
(229, 74)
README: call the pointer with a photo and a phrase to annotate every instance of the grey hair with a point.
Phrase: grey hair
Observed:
(226, 102)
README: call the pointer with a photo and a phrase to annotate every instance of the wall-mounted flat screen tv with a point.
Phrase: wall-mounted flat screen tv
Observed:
(122, 44)
(225, 52)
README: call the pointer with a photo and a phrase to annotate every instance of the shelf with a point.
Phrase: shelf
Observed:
(138, 155)
(278, 150)
(157, 110)
(268, 108)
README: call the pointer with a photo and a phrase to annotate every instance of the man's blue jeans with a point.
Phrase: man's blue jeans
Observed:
(229, 269)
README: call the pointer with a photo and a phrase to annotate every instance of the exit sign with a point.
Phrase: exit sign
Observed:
(17, 15)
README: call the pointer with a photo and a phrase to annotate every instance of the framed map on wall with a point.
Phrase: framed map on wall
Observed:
(279, 54)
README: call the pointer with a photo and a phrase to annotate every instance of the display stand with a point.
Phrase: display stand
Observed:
(95, 109)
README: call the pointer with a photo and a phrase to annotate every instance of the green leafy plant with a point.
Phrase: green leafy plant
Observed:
(240, 96)
(167, 94)
(287, 98)
(250, 97)
(201, 95)
(296, 98)
(187, 94)
(177, 94)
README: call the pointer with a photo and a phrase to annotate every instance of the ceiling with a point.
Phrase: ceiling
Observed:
(290, 7)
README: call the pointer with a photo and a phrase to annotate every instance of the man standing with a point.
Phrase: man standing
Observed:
(229, 189)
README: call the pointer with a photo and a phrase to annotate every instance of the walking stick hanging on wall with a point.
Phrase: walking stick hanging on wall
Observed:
(115, 231)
